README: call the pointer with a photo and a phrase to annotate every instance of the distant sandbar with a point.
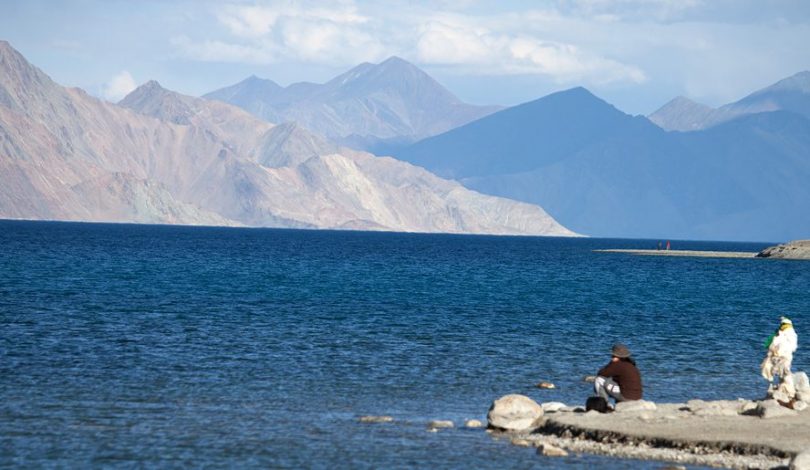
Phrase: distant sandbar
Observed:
(695, 253)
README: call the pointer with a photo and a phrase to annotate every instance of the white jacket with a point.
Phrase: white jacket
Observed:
(784, 343)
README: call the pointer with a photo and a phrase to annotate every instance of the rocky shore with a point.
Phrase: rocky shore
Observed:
(726, 433)
(797, 249)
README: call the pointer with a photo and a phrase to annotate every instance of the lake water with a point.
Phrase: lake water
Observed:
(133, 346)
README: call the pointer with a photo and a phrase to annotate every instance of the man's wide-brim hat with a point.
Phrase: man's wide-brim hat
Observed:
(620, 350)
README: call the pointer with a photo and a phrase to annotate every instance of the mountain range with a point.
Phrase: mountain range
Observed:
(604, 173)
(370, 107)
(688, 171)
(682, 114)
(162, 157)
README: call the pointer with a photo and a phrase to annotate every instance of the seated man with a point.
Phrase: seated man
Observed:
(620, 378)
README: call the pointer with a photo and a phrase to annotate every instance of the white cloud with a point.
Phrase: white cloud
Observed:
(119, 86)
(498, 53)
(259, 52)
(296, 31)
(342, 35)
(621, 10)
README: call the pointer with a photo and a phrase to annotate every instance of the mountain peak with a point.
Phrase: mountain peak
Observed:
(152, 84)
(681, 114)
(5, 46)
(154, 100)
(147, 91)
(20, 81)
(254, 80)
(372, 102)
(395, 61)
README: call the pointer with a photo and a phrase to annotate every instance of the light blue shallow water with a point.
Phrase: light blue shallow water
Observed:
(136, 346)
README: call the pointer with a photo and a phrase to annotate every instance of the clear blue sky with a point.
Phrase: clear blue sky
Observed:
(637, 54)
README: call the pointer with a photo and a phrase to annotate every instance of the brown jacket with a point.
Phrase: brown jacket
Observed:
(626, 375)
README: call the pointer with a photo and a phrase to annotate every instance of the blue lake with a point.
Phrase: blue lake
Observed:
(132, 346)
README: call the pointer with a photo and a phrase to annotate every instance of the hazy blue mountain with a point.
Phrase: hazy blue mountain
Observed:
(368, 107)
(604, 173)
(522, 138)
(791, 94)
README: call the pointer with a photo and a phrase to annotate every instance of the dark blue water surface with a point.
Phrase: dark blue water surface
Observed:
(126, 345)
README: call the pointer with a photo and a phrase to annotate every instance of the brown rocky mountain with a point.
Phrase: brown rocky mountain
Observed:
(161, 157)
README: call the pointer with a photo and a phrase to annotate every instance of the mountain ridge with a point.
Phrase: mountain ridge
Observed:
(789, 94)
(163, 157)
(365, 106)
(608, 174)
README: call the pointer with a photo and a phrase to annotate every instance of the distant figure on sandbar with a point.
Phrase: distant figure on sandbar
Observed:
(620, 378)
(667, 244)
(779, 358)
(659, 246)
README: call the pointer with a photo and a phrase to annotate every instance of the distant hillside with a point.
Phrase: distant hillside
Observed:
(682, 114)
(162, 157)
(604, 173)
(791, 94)
(368, 107)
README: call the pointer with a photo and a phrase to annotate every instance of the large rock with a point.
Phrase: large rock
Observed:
(514, 413)
(635, 405)
(801, 383)
(801, 461)
(772, 409)
(798, 249)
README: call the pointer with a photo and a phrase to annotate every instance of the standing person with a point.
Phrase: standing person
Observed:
(781, 346)
(620, 378)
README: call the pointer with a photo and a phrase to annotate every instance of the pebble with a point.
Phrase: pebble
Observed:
(375, 419)
(546, 385)
(440, 424)
(551, 451)
(520, 442)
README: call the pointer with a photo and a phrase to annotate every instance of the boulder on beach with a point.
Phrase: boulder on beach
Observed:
(630, 406)
(797, 249)
(514, 413)
(473, 423)
(801, 461)
(551, 451)
(801, 383)
(772, 409)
